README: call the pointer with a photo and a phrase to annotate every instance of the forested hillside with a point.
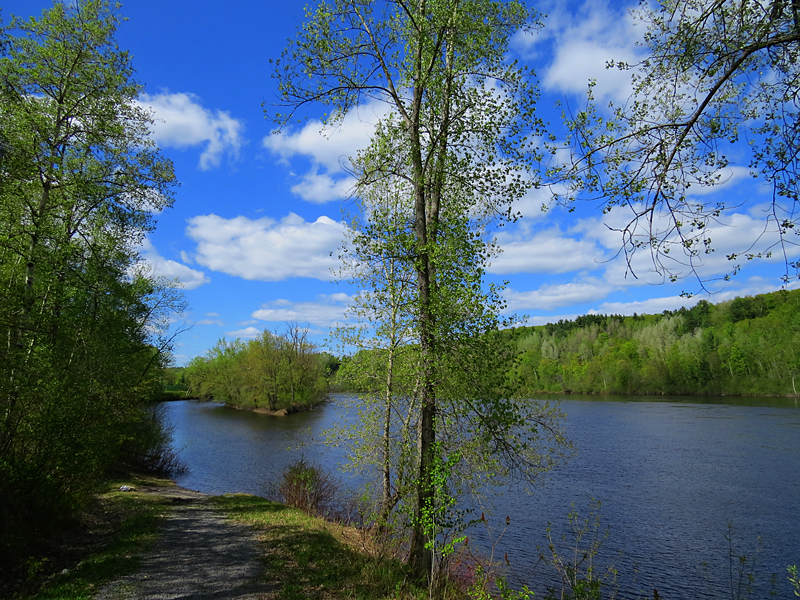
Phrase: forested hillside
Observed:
(747, 346)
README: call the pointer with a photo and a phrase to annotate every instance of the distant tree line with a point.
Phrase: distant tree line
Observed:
(272, 372)
(746, 346)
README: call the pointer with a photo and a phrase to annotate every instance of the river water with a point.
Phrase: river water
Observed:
(676, 478)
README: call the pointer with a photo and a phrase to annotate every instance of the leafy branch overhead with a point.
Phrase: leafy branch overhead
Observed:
(719, 79)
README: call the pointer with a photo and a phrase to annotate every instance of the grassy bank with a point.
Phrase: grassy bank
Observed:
(304, 556)
(105, 543)
(308, 557)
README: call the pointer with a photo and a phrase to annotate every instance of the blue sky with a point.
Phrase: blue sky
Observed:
(257, 216)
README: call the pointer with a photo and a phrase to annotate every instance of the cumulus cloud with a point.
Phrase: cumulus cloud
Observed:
(182, 122)
(645, 307)
(321, 187)
(265, 249)
(530, 205)
(327, 148)
(249, 333)
(170, 269)
(327, 311)
(726, 291)
(732, 233)
(210, 322)
(544, 252)
(544, 320)
(583, 39)
(728, 178)
(548, 297)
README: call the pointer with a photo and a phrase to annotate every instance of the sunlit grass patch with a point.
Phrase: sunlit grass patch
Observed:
(311, 558)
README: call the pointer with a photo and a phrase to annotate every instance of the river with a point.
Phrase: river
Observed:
(675, 478)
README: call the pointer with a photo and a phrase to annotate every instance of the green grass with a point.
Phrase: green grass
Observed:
(305, 557)
(134, 520)
(310, 558)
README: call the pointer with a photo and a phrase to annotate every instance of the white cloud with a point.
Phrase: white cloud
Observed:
(182, 122)
(530, 205)
(320, 187)
(327, 311)
(584, 38)
(650, 306)
(327, 148)
(732, 233)
(265, 249)
(210, 322)
(162, 267)
(724, 291)
(548, 297)
(729, 177)
(249, 333)
(544, 320)
(545, 252)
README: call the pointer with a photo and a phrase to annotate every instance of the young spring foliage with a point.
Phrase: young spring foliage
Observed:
(452, 391)
(747, 346)
(83, 326)
(272, 372)
(460, 134)
(717, 88)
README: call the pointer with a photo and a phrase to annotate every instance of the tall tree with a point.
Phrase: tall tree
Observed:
(376, 256)
(80, 181)
(461, 135)
(720, 80)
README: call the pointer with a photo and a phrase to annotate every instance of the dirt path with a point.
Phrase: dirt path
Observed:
(199, 555)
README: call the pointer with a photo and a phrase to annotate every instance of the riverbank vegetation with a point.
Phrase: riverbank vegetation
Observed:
(83, 323)
(309, 557)
(745, 346)
(273, 372)
(105, 542)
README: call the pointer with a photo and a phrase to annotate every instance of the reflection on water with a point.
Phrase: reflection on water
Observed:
(671, 473)
(231, 450)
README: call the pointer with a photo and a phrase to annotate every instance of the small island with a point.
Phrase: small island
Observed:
(275, 374)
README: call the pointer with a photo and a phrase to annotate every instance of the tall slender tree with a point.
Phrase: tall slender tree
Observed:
(376, 257)
(461, 135)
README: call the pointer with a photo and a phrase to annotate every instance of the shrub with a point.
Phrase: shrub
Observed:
(306, 486)
(148, 447)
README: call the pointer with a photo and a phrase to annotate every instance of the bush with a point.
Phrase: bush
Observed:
(306, 486)
(148, 446)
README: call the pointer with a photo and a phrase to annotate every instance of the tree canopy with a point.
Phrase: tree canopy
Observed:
(83, 323)
(719, 82)
(272, 372)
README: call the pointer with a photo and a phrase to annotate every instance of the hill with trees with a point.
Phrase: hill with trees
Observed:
(746, 346)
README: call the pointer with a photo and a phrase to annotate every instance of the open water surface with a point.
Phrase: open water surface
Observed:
(671, 474)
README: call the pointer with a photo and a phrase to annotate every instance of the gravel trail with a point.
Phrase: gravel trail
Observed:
(199, 555)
